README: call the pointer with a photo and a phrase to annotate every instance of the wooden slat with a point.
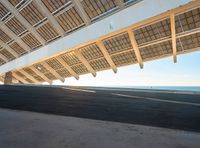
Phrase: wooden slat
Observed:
(10, 50)
(19, 78)
(71, 71)
(85, 62)
(50, 17)
(52, 71)
(3, 57)
(40, 74)
(107, 56)
(30, 28)
(57, 13)
(120, 3)
(29, 76)
(81, 11)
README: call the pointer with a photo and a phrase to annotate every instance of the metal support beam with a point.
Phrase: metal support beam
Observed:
(81, 11)
(173, 33)
(29, 76)
(39, 73)
(50, 17)
(71, 71)
(15, 12)
(20, 78)
(135, 47)
(107, 56)
(52, 71)
(85, 62)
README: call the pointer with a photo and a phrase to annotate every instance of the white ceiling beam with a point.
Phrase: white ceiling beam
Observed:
(81, 11)
(173, 33)
(65, 65)
(20, 78)
(40, 5)
(30, 28)
(53, 71)
(85, 62)
(29, 76)
(107, 56)
(135, 47)
(39, 73)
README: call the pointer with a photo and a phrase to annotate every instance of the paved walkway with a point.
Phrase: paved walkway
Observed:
(21, 129)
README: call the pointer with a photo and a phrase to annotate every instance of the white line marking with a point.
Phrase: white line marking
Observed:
(156, 99)
(77, 89)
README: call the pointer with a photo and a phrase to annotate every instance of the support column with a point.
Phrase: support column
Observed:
(8, 78)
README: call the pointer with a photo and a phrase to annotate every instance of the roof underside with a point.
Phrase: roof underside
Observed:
(169, 34)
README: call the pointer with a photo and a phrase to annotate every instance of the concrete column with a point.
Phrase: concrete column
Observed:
(8, 78)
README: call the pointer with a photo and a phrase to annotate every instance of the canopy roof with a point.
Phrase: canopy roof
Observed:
(168, 34)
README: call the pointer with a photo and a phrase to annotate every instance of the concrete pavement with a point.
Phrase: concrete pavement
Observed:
(22, 129)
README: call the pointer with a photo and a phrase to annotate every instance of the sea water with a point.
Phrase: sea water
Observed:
(182, 88)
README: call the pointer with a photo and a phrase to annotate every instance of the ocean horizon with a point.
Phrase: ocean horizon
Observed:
(178, 88)
(181, 88)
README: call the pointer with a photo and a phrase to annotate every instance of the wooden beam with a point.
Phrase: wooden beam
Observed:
(19, 78)
(39, 73)
(29, 76)
(81, 11)
(29, 27)
(40, 5)
(135, 47)
(1, 79)
(107, 56)
(85, 62)
(71, 71)
(173, 33)
(53, 71)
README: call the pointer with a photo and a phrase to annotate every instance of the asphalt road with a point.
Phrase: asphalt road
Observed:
(169, 110)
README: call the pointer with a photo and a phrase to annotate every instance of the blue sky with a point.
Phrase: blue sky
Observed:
(161, 72)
